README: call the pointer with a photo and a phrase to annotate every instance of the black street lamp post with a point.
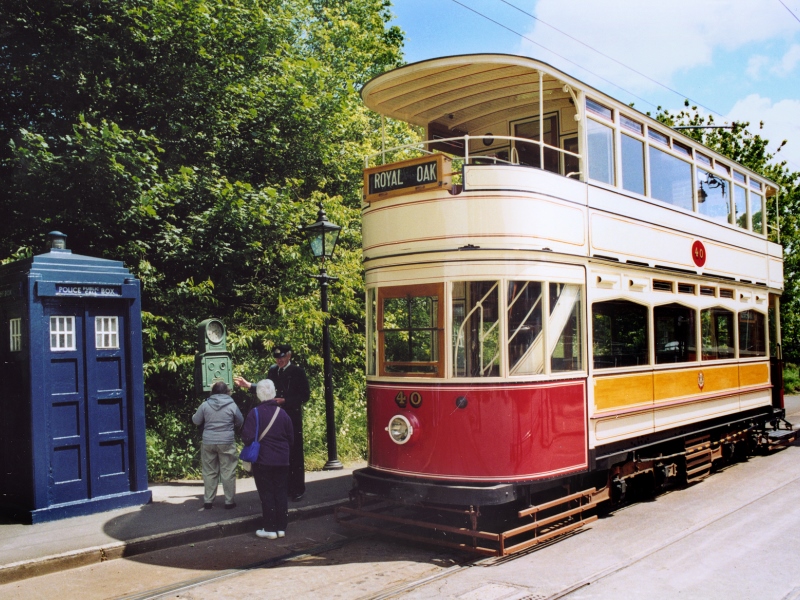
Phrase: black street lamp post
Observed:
(323, 236)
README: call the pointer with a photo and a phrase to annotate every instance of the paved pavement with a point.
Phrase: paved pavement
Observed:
(174, 517)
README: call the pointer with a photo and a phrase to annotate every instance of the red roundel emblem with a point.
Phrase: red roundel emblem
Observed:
(699, 253)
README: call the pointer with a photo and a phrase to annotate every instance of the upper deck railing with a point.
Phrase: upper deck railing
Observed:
(543, 152)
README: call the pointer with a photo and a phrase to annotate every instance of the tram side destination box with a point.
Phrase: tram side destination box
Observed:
(407, 177)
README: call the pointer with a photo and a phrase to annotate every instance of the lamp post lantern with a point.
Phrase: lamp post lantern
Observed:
(323, 236)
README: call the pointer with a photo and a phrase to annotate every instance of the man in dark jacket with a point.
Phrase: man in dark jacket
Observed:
(292, 390)
(219, 458)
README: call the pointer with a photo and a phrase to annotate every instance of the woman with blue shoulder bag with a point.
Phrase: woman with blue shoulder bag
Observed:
(271, 427)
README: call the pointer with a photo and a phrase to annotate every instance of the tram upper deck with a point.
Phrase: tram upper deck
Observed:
(547, 163)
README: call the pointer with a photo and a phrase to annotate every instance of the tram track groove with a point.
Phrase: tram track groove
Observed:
(621, 566)
(401, 588)
(269, 563)
(598, 576)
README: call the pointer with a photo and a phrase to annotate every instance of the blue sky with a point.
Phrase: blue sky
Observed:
(739, 59)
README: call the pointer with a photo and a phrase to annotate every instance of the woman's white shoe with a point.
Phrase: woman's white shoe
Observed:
(270, 535)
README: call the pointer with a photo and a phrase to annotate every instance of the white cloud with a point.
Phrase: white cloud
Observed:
(781, 122)
(659, 39)
(789, 61)
(756, 65)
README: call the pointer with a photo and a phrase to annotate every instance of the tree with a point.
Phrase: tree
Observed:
(751, 151)
(191, 139)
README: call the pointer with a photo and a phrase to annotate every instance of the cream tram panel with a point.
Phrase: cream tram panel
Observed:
(775, 273)
(620, 237)
(507, 177)
(621, 427)
(449, 267)
(691, 412)
(442, 221)
(670, 217)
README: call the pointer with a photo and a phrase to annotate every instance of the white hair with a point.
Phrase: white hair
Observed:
(265, 390)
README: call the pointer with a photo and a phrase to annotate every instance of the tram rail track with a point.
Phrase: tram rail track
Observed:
(405, 587)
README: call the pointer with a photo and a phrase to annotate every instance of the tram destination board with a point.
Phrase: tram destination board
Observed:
(407, 177)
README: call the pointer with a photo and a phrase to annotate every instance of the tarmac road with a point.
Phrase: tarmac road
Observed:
(730, 536)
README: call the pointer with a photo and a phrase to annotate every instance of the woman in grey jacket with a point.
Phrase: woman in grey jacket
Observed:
(219, 458)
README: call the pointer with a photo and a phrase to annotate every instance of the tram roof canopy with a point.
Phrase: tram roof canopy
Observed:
(464, 93)
(461, 92)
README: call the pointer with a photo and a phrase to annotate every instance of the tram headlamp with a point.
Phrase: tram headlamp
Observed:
(400, 429)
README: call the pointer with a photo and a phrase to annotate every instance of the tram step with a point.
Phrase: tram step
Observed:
(781, 437)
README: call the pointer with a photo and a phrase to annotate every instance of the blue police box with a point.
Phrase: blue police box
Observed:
(72, 427)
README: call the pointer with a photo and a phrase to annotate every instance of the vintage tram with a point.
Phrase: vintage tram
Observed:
(562, 294)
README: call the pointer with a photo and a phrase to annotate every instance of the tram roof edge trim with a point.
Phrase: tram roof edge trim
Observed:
(412, 92)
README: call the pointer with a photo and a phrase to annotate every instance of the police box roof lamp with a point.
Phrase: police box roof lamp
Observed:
(57, 241)
(322, 235)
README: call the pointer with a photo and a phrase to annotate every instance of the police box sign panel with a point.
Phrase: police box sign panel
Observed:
(407, 177)
(69, 289)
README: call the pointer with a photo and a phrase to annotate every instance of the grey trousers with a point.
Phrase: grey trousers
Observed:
(219, 462)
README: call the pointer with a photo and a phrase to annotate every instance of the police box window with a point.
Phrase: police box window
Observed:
(105, 332)
(62, 333)
(15, 332)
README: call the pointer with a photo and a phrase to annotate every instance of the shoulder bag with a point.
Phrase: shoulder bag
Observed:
(249, 453)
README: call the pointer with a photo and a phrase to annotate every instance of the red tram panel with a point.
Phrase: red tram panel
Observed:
(504, 433)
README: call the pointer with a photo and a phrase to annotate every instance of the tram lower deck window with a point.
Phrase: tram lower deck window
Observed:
(476, 329)
(716, 330)
(752, 334)
(675, 333)
(409, 330)
(620, 333)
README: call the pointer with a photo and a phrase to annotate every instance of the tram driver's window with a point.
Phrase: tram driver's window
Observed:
(675, 333)
(564, 328)
(476, 329)
(525, 345)
(409, 334)
(716, 331)
(752, 334)
(620, 335)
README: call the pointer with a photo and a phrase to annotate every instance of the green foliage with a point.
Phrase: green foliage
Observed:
(791, 378)
(191, 139)
(751, 150)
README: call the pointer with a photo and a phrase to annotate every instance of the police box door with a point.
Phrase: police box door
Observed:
(88, 399)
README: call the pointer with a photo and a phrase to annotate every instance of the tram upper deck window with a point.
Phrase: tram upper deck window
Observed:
(716, 332)
(675, 333)
(670, 178)
(620, 334)
(752, 334)
(713, 196)
(601, 151)
(757, 208)
(476, 329)
(632, 164)
(564, 328)
(409, 334)
(740, 205)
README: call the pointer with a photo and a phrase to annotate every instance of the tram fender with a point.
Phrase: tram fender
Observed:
(402, 489)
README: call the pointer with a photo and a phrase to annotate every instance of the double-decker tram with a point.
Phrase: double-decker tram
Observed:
(564, 296)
